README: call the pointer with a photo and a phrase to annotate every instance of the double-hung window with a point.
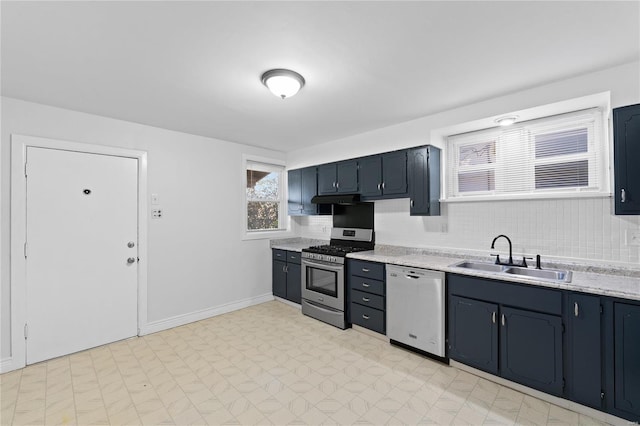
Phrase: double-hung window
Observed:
(557, 156)
(264, 196)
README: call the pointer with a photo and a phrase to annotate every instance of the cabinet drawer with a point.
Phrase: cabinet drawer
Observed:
(293, 257)
(367, 317)
(367, 299)
(280, 255)
(367, 269)
(367, 285)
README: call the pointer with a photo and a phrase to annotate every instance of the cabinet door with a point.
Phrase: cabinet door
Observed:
(347, 173)
(424, 181)
(473, 333)
(370, 176)
(394, 173)
(627, 358)
(294, 205)
(626, 128)
(584, 378)
(294, 282)
(309, 189)
(531, 349)
(327, 179)
(279, 278)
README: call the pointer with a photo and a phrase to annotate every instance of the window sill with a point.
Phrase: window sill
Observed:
(519, 197)
(267, 235)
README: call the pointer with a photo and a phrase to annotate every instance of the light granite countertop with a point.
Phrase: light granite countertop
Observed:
(616, 282)
(603, 279)
(296, 244)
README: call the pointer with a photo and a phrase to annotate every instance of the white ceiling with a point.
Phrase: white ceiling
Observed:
(195, 67)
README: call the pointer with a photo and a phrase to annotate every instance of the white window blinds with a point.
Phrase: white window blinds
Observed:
(547, 157)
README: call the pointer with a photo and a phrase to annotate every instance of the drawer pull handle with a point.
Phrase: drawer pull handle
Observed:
(413, 336)
(365, 317)
(503, 320)
(365, 285)
(493, 317)
(576, 310)
(365, 270)
(365, 299)
(623, 196)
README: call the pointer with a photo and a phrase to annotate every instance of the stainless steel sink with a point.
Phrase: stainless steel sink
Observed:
(480, 266)
(543, 274)
(554, 275)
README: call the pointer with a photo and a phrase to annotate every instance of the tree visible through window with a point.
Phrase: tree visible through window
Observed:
(263, 195)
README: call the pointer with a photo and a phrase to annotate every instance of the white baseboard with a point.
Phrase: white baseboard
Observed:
(7, 364)
(178, 320)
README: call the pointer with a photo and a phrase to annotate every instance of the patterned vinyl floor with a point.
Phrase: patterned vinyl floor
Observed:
(267, 364)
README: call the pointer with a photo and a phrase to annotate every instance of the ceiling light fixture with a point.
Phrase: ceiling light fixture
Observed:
(283, 83)
(506, 121)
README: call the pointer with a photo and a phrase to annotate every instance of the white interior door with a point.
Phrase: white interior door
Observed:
(82, 248)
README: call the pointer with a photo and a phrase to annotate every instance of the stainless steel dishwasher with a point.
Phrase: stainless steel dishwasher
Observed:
(415, 308)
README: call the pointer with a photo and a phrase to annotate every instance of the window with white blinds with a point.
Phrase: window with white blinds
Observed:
(548, 157)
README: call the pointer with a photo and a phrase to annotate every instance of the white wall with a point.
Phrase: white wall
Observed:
(582, 229)
(196, 258)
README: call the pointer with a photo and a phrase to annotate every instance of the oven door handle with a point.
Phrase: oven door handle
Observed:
(323, 265)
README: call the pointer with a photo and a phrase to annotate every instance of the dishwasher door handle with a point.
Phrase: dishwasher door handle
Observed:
(412, 277)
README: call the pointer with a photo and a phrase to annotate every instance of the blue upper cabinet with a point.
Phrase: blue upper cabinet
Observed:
(424, 181)
(384, 175)
(339, 177)
(626, 138)
(303, 186)
(294, 183)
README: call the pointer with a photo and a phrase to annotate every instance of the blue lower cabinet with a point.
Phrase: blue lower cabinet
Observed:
(531, 349)
(287, 275)
(473, 333)
(627, 360)
(584, 356)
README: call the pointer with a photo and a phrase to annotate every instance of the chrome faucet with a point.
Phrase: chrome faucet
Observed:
(493, 243)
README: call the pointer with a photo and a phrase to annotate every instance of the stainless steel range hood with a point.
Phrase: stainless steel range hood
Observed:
(336, 199)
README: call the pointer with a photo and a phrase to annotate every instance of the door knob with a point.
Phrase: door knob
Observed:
(131, 244)
(131, 260)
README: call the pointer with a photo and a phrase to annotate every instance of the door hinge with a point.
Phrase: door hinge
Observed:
(26, 331)
(25, 250)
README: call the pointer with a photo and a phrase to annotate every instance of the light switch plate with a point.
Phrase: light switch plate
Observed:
(633, 238)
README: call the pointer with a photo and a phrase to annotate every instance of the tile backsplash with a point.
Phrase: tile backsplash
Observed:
(583, 229)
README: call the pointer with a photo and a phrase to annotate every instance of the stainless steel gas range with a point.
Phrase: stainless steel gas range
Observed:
(323, 274)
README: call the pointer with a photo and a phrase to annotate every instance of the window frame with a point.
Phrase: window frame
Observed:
(284, 228)
(597, 156)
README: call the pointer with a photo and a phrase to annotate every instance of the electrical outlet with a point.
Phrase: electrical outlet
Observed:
(633, 238)
(156, 213)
